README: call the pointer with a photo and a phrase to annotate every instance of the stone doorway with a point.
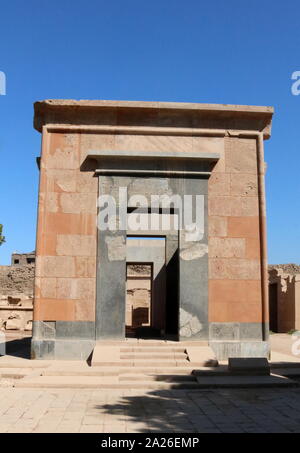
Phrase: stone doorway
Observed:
(145, 287)
(139, 286)
(179, 300)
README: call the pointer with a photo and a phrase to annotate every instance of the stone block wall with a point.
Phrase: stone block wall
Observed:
(66, 240)
(66, 264)
(16, 297)
(235, 306)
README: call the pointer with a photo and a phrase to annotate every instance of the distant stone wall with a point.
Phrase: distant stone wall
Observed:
(22, 259)
(16, 280)
(284, 297)
(16, 297)
(138, 295)
(289, 268)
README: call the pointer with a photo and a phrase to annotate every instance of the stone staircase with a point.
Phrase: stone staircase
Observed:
(152, 366)
(126, 365)
(144, 364)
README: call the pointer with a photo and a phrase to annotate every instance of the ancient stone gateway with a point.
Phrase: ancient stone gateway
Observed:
(108, 170)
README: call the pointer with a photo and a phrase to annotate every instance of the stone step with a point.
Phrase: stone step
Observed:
(94, 371)
(205, 383)
(221, 370)
(14, 373)
(289, 372)
(111, 382)
(157, 377)
(105, 354)
(276, 365)
(151, 355)
(138, 342)
(245, 381)
(24, 364)
(159, 370)
(147, 363)
(116, 371)
(143, 343)
(279, 360)
(99, 383)
(149, 349)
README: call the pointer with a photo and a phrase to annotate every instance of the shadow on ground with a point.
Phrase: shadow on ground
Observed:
(18, 347)
(209, 411)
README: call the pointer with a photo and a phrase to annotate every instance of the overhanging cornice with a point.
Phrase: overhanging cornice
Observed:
(169, 163)
(174, 115)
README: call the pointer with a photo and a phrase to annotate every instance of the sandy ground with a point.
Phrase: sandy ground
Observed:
(283, 343)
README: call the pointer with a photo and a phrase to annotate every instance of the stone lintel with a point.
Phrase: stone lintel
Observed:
(118, 154)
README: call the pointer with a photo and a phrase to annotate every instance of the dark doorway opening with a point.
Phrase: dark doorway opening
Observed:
(152, 287)
(273, 307)
(172, 297)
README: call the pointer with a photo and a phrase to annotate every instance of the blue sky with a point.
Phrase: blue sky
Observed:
(232, 52)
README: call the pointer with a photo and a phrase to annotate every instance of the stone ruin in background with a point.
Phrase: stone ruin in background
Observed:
(284, 297)
(16, 293)
(138, 296)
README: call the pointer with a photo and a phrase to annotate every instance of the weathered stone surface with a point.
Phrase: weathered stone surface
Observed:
(227, 248)
(75, 245)
(13, 324)
(116, 248)
(62, 155)
(225, 349)
(233, 206)
(56, 266)
(59, 180)
(253, 248)
(235, 291)
(28, 326)
(66, 288)
(244, 206)
(76, 203)
(194, 251)
(189, 324)
(243, 227)
(16, 292)
(55, 309)
(288, 268)
(243, 185)
(13, 300)
(224, 331)
(241, 155)
(85, 266)
(48, 287)
(85, 310)
(235, 268)
(219, 206)
(16, 280)
(219, 184)
(217, 226)
(48, 202)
